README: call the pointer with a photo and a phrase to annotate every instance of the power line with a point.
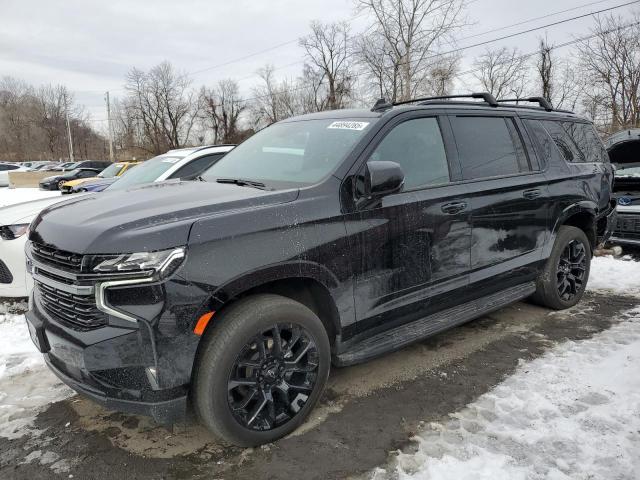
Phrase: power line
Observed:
(505, 37)
(460, 49)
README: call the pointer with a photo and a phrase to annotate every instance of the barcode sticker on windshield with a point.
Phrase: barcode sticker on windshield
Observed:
(349, 125)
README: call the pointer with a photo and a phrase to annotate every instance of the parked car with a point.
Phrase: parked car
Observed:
(5, 168)
(112, 171)
(180, 164)
(624, 151)
(99, 184)
(328, 238)
(55, 182)
(14, 222)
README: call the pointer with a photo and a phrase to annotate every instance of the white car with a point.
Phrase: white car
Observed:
(186, 163)
(14, 222)
(180, 164)
(5, 168)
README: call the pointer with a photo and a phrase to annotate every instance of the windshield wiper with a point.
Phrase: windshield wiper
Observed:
(241, 182)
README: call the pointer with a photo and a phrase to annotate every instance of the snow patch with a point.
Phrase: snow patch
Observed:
(26, 384)
(572, 413)
(620, 276)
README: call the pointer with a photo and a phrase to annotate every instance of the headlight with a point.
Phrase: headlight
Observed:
(11, 232)
(163, 262)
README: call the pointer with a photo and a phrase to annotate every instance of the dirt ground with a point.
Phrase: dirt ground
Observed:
(368, 412)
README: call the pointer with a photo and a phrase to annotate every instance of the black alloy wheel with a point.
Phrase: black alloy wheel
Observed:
(571, 270)
(272, 377)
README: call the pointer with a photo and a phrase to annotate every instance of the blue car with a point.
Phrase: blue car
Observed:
(97, 185)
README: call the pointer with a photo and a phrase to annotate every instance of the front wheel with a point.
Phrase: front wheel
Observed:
(261, 369)
(564, 278)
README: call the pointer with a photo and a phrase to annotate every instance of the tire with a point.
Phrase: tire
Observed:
(60, 183)
(551, 289)
(227, 348)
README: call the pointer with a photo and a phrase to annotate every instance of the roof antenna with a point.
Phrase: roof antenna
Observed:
(381, 105)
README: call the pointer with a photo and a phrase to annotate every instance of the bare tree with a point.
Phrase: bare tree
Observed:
(222, 107)
(611, 65)
(502, 72)
(406, 37)
(328, 56)
(163, 106)
(545, 68)
(275, 100)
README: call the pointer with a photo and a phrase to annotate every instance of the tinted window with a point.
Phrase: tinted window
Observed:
(489, 147)
(563, 141)
(196, 167)
(418, 147)
(544, 145)
(587, 141)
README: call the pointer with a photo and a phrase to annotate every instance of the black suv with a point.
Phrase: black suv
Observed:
(329, 238)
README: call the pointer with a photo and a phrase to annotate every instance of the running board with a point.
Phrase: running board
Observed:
(408, 333)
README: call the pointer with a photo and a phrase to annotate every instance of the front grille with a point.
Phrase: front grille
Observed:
(71, 262)
(77, 311)
(628, 224)
(5, 274)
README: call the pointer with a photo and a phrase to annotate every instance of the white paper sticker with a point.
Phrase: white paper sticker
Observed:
(349, 125)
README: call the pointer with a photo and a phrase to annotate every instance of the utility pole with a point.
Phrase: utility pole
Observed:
(111, 157)
(66, 109)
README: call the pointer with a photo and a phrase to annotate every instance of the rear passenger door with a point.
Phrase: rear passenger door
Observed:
(508, 199)
(413, 246)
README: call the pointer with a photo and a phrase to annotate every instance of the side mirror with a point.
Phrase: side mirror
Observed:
(383, 178)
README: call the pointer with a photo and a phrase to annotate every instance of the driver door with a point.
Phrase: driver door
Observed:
(413, 246)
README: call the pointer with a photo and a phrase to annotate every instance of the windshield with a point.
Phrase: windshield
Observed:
(111, 171)
(146, 172)
(628, 172)
(290, 154)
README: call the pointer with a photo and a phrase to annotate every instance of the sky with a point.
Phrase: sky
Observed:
(89, 45)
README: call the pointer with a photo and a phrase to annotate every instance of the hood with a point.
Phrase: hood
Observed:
(152, 217)
(624, 147)
(25, 212)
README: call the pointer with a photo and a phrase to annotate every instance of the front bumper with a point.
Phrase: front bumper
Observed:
(76, 361)
(142, 366)
(48, 186)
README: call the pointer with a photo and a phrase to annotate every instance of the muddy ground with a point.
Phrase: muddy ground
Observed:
(368, 411)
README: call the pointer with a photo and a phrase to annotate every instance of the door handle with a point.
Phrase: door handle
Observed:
(453, 208)
(532, 194)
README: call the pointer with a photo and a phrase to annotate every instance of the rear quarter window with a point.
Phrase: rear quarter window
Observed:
(564, 142)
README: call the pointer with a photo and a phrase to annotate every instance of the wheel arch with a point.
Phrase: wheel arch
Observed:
(305, 282)
(581, 215)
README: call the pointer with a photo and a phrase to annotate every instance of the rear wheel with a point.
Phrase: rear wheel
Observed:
(261, 370)
(564, 278)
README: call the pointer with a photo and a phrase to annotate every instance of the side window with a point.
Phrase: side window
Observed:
(418, 147)
(489, 147)
(563, 141)
(589, 143)
(544, 145)
(196, 167)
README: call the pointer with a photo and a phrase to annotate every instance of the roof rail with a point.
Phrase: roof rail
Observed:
(543, 102)
(487, 97)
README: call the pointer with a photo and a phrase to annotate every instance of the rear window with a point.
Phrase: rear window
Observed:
(489, 147)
